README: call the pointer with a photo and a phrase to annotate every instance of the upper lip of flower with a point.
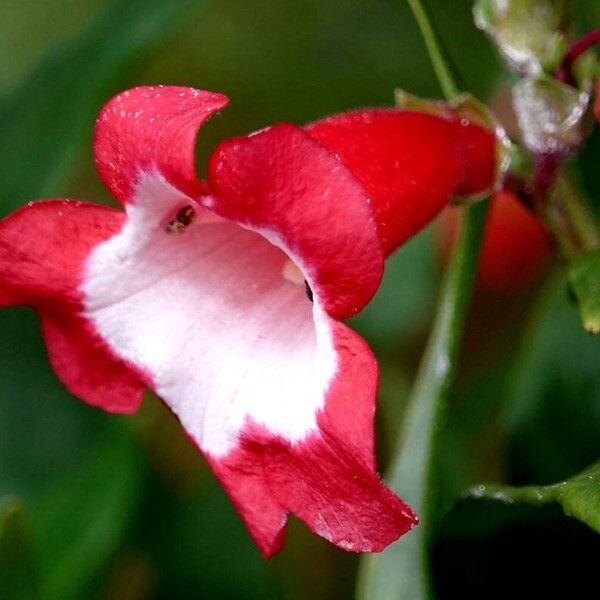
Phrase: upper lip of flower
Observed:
(281, 407)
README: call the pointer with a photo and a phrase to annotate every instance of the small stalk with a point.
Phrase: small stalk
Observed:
(569, 220)
(564, 72)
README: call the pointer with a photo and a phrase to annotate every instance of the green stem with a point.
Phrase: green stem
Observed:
(439, 363)
(536, 495)
(569, 219)
(437, 54)
(401, 572)
(527, 494)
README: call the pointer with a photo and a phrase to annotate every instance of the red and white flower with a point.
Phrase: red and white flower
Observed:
(196, 291)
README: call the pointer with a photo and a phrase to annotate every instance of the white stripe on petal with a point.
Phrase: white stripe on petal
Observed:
(209, 316)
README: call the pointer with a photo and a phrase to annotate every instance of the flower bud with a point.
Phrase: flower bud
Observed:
(529, 33)
(516, 248)
(551, 115)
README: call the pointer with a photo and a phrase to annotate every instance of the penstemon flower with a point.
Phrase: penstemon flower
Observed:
(224, 296)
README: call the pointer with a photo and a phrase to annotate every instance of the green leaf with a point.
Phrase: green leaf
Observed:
(528, 33)
(579, 496)
(44, 122)
(18, 576)
(82, 521)
(551, 114)
(584, 279)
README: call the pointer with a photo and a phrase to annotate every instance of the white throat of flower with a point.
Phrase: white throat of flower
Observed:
(216, 318)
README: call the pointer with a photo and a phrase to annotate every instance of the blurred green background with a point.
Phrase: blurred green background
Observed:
(98, 506)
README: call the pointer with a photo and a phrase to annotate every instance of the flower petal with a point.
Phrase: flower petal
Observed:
(277, 395)
(299, 195)
(43, 248)
(328, 480)
(410, 163)
(152, 129)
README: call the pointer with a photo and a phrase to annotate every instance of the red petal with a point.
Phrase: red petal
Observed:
(149, 129)
(87, 366)
(242, 475)
(296, 192)
(516, 248)
(43, 247)
(409, 163)
(329, 479)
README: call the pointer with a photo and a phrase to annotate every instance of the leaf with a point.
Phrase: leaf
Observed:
(80, 524)
(579, 496)
(44, 122)
(18, 576)
(488, 549)
(528, 33)
(584, 279)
